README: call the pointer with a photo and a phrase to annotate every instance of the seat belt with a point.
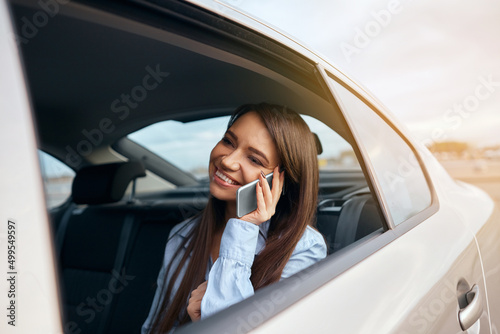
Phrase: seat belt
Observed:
(121, 253)
(348, 221)
(61, 230)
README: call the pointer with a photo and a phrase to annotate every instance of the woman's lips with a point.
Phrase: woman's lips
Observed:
(224, 180)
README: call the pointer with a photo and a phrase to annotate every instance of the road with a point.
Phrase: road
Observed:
(481, 173)
(492, 188)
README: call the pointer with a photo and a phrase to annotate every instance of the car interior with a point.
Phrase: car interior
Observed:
(99, 71)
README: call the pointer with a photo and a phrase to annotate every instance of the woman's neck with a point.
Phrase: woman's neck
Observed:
(230, 211)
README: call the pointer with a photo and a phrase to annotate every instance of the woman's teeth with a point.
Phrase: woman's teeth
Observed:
(225, 178)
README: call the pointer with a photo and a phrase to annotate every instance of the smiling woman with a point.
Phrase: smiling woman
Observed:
(246, 150)
(215, 260)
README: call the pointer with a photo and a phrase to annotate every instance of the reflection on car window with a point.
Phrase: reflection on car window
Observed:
(185, 145)
(399, 174)
(57, 179)
(188, 145)
(337, 153)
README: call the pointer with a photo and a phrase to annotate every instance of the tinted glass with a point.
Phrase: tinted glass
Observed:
(397, 169)
(57, 179)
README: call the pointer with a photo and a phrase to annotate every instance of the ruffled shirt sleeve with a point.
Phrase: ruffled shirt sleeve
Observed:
(229, 278)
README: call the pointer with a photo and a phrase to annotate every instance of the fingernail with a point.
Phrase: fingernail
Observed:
(262, 173)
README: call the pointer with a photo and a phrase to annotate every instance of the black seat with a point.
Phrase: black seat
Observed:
(111, 250)
(358, 218)
(343, 224)
(92, 241)
(142, 265)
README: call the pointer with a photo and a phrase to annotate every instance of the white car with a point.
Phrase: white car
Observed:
(108, 112)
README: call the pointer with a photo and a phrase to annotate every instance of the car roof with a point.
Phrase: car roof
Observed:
(83, 67)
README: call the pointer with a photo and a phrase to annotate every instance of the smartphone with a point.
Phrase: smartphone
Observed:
(246, 196)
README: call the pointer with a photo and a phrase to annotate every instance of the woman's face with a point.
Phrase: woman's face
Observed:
(245, 150)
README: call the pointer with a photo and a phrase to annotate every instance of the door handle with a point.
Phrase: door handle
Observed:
(472, 312)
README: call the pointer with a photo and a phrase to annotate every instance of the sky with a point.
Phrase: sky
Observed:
(434, 64)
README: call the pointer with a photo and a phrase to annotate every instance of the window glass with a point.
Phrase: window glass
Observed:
(57, 179)
(337, 153)
(397, 169)
(188, 145)
(185, 145)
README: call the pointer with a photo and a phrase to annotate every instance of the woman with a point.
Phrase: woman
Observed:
(214, 259)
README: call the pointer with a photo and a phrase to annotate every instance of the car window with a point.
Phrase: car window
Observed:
(185, 145)
(188, 145)
(337, 152)
(396, 167)
(57, 179)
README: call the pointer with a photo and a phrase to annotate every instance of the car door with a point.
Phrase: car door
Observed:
(428, 279)
(423, 274)
(29, 298)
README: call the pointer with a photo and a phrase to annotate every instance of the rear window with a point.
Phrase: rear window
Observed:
(188, 145)
(57, 179)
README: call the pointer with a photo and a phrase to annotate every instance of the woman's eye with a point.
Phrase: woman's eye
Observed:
(255, 161)
(226, 141)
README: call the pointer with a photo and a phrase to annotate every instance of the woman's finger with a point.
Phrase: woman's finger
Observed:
(266, 191)
(277, 184)
(203, 286)
(194, 309)
(267, 198)
(198, 293)
(261, 203)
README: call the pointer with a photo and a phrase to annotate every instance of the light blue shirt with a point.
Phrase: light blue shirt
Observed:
(229, 277)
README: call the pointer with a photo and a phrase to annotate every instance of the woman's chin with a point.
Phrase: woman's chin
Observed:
(222, 194)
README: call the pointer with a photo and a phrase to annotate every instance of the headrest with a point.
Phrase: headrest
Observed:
(105, 183)
(319, 147)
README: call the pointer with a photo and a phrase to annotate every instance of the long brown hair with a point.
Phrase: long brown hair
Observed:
(294, 212)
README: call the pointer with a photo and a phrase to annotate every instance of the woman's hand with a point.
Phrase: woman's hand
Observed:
(267, 198)
(194, 306)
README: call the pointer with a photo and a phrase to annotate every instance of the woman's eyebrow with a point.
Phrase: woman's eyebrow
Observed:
(253, 149)
(256, 151)
(231, 133)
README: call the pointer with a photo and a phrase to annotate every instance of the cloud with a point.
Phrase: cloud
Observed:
(427, 58)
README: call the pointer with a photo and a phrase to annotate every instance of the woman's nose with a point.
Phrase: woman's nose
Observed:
(230, 161)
